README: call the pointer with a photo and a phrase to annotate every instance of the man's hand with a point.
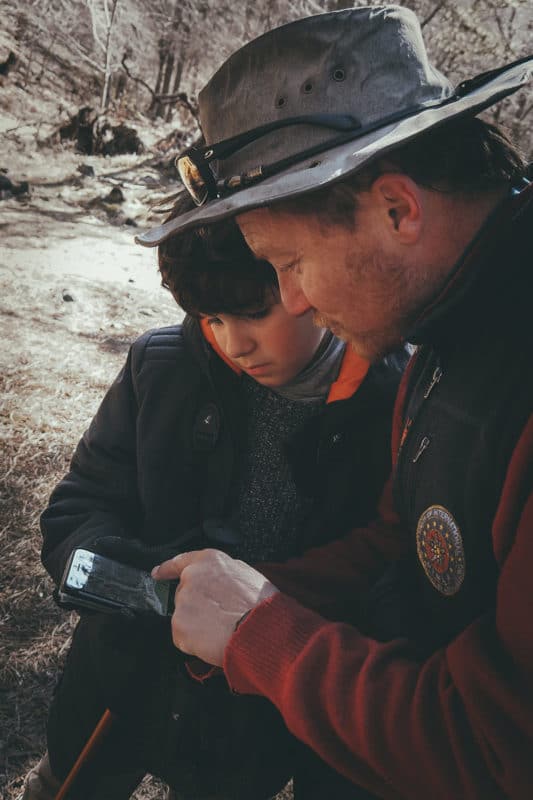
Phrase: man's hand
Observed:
(214, 592)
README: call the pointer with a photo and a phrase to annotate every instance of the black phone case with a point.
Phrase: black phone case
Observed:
(97, 583)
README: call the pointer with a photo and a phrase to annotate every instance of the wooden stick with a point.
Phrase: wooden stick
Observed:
(95, 740)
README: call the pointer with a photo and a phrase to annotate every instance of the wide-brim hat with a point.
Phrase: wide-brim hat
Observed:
(368, 64)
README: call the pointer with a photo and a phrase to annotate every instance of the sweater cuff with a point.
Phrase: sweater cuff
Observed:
(266, 643)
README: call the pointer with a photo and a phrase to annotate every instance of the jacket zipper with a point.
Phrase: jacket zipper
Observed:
(435, 378)
(405, 492)
(424, 444)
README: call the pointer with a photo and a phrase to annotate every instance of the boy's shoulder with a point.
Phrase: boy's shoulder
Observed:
(160, 343)
(169, 360)
(172, 343)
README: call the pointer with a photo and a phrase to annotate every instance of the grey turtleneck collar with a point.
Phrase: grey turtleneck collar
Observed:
(314, 381)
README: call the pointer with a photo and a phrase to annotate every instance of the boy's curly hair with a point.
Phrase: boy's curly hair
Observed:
(211, 270)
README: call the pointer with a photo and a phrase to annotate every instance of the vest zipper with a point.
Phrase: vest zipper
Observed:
(404, 492)
(424, 444)
(435, 378)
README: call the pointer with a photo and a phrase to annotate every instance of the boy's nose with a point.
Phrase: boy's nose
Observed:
(238, 343)
(292, 296)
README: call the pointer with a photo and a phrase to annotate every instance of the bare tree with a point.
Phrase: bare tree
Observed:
(102, 17)
(174, 46)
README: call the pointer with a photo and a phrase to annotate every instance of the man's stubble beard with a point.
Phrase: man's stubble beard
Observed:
(394, 283)
(368, 346)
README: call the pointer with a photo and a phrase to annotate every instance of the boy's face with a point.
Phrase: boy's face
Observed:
(268, 343)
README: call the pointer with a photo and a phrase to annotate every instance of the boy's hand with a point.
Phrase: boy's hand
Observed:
(214, 593)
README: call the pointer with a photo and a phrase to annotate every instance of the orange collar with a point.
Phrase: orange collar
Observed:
(351, 375)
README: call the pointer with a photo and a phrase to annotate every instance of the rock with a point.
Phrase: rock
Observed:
(10, 189)
(112, 140)
(86, 170)
(21, 189)
(6, 65)
(116, 195)
(95, 135)
(80, 128)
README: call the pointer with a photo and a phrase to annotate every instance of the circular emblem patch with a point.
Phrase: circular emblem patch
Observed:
(440, 549)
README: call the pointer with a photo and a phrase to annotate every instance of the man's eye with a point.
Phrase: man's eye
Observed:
(289, 267)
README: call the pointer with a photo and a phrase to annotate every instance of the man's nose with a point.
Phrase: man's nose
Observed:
(292, 296)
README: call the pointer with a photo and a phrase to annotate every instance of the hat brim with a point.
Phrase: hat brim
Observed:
(344, 160)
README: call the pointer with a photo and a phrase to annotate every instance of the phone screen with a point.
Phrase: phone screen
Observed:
(96, 579)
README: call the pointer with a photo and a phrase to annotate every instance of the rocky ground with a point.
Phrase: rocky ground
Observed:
(75, 291)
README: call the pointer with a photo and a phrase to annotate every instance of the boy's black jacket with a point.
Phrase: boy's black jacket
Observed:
(159, 457)
(158, 460)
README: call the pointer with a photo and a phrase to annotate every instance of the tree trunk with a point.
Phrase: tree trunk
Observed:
(104, 102)
(169, 67)
(163, 51)
(175, 87)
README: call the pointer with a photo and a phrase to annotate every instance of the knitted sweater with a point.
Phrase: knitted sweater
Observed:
(269, 510)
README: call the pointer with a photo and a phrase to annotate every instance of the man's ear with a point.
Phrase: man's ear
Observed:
(400, 200)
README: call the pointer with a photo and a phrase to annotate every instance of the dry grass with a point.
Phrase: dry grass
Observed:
(57, 360)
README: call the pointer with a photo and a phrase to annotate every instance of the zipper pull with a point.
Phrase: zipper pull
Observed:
(437, 375)
(424, 444)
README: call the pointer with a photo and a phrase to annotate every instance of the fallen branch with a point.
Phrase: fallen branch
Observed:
(164, 99)
(136, 77)
(73, 178)
(433, 13)
(23, 125)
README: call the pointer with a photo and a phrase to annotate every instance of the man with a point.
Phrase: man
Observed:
(387, 207)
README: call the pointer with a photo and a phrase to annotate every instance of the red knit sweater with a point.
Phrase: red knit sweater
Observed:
(450, 728)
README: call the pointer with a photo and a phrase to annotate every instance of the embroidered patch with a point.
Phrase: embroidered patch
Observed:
(440, 549)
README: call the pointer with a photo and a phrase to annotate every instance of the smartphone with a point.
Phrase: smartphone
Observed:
(101, 584)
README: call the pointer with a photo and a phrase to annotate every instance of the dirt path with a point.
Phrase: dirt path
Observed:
(86, 247)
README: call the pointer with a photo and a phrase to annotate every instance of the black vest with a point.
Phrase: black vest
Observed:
(469, 395)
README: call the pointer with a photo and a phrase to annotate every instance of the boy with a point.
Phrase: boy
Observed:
(245, 429)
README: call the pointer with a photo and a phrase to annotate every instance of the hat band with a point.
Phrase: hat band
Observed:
(195, 165)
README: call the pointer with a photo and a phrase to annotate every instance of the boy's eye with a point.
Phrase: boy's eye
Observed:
(261, 313)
